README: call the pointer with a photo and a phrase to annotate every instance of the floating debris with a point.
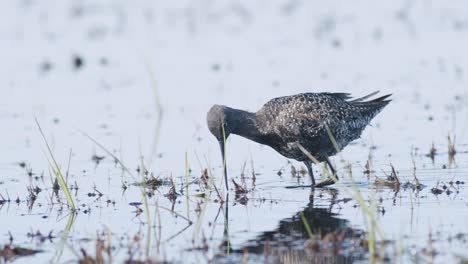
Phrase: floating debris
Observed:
(279, 173)
(102, 252)
(242, 200)
(151, 182)
(103, 61)
(413, 186)
(95, 193)
(238, 188)
(254, 178)
(204, 177)
(293, 172)
(240, 193)
(9, 253)
(138, 211)
(45, 66)
(97, 159)
(451, 149)
(391, 181)
(78, 62)
(367, 168)
(215, 67)
(56, 186)
(4, 200)
(432, 152)
(436, 190)
(172, 193)
(302, 171)
(22, 164)
(31, 197)
(40, 237)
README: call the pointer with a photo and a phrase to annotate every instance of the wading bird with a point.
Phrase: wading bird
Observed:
(300, 127)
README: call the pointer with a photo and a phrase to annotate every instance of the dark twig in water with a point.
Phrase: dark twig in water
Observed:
(391, 181)
(238, 188)
(394, 176)
(254, 178)
(204, 177)
(172, 194)
(435, 190)
(432, 152)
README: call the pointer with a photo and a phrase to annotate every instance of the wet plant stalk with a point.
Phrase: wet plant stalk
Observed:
(159, 110)
(187, 185)
(58, 172)
(158, 236)
(63, 238)
(147, 212)
(306, 225)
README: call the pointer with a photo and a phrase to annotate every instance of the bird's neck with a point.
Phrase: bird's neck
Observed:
(244, 124)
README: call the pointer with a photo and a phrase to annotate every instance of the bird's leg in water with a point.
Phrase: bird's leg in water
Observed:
(311, 196)
(331, 168)
(308, 164)
(328, 181)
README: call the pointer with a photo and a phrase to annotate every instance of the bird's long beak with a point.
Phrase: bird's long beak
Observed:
(223, 156)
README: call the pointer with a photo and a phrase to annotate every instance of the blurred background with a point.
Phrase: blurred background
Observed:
(107, 67)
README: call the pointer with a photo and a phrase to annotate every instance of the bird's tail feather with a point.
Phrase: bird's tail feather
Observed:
(382, 100)
(372, 107)
(364, 97)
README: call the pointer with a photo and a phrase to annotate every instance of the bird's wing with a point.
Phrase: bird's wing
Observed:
(302, 116)
(305, 118)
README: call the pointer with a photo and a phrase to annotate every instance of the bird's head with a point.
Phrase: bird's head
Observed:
(217, 123)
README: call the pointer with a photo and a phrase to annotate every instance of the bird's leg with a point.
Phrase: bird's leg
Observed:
(311, 196)
(308, 164)
(328, 181)
(331, 167)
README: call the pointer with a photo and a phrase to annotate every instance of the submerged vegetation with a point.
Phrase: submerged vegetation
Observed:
(58, 173)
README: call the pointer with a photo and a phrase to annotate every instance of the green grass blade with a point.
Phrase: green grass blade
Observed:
(57, 172)
(306, 225)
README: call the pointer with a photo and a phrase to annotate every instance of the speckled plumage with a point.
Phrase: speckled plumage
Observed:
(285, 122)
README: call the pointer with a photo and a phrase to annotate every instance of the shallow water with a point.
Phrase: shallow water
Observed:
(239, 54)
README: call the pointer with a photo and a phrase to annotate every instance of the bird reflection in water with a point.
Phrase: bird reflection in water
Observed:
(332, 239)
